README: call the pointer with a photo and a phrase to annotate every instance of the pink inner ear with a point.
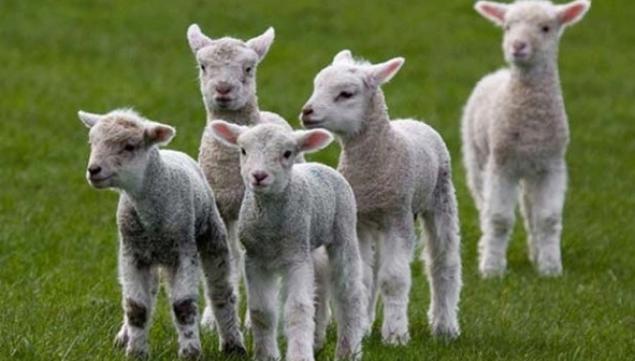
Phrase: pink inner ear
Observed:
(315, 140)
(225, 132)
(493, 11)
(571, 13)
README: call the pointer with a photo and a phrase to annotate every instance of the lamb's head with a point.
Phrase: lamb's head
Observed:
(227, 67)
(532, 27)
(342, 93)
(120, 143)
(268, 151)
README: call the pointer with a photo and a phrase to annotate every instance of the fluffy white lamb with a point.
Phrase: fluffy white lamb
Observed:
(167, 220)
(399, 171)
(515, 133)
(288, 212)
(227, 73)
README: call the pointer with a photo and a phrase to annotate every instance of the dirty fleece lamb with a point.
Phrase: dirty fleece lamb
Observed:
(290, 210)
(515, 133)
(167, 220)
(400, 171)
(227, 73)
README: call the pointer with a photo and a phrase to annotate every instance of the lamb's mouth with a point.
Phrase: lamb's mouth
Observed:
(98, 182)
(311, 123)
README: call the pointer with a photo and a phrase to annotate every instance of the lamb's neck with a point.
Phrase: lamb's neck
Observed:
(376, 133)
(538, 79)
(247, 115)
(148, 193)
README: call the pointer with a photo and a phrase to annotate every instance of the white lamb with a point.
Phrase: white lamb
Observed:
(399, 171)
(515, 132)
(288, 212)
(227, 72)
(167, 220)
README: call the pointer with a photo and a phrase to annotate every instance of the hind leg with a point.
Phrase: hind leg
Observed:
(322, 296)
(546, 194)
(368, 249)
(526, 208)
(497, 221)
(395, 280)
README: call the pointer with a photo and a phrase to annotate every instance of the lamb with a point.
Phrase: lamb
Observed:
(399, 171)
(288, 212)
(515, 132)
(227, 72)
(167, 221)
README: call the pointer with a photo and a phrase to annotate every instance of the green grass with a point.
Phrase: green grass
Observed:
(59, 298)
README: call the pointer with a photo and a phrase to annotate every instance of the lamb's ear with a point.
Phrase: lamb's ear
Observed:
(382, 73)
(571, 13)
(226, 132)
(312, 140)
(492, 11)
(89, 119)
(261, 43)
(160, 134)
(343, 57)
(196, 38)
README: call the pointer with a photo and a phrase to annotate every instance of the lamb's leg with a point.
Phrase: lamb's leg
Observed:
(370, 266)
(299, 311)
(237, 265)
(322, 296)
(547, 194)
(183, 290)
(442, 257)
(139, 287)
(525, 210)
(497, 222)
(474, 172)
(220, 291)
(394, 278)
(262, 292)
(349, 294)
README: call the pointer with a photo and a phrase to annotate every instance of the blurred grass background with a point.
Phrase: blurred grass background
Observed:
(58, 291)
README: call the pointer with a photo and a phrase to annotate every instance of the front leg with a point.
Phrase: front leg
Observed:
(139, 288)
(262, 291)
(183, 289)
(299, 311)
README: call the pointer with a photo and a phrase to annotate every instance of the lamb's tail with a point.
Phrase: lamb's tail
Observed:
(442, 256)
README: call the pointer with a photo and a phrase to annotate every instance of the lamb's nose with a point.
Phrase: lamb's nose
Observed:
(223, 89)
(259, 176)
(94, 170)
(307, 111)
(519, 45)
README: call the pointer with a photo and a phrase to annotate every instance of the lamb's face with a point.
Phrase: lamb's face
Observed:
(342, 93)
(268, 151)
(532, 28)
(531, 33)
(119, 147)
(339, 100)
(227, 72)
(267, 154)
(227, 67)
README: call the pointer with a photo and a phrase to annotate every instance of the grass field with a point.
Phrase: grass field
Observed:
(59, 297)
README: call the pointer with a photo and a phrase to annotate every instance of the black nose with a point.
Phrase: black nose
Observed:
(259, 176)
(223, 89)
(94, 169)
(307, 111)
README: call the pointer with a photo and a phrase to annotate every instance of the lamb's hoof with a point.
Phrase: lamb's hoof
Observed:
(121, 340)
(236, 349)
(492, 267)
(550, 270)
(207, 320)
(445, 332)
(395, 338)
(318, 344)
(190, 353)
(137, 353)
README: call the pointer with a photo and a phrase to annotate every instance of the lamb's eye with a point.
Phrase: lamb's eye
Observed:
(287, 154)
(545, 29)
(242, 151)
(129, 147)
(344, 95)
(202, 68)
(248, 69)
(507, 27)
